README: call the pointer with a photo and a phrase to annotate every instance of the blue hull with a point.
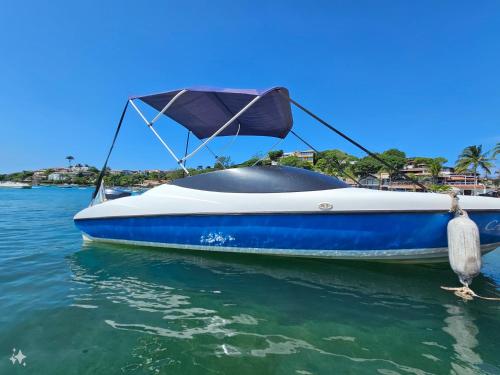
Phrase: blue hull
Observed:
(377, 235)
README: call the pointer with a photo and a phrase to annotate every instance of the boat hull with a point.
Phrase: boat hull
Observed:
(15, 186)
(400, 236)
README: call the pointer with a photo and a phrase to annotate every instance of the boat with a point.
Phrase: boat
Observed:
(273, 210)
(14, 185)
(115, 193)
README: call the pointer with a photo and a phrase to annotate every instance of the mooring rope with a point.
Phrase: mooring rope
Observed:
(467, 293)
(455, 206)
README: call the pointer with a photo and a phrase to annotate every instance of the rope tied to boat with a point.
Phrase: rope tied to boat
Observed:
(467, 293)
(455, 206)
(464, 251)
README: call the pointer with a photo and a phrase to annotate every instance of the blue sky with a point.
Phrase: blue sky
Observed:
(420, 76)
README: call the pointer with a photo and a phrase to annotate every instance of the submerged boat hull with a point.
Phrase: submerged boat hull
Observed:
(405, 236)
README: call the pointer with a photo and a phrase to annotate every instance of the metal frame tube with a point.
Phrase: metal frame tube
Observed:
(150, 126)
(139, 112)
(230, 143)
(169, 104)
(209, 150)
(231, 120)
(272, 148)
(168, 149)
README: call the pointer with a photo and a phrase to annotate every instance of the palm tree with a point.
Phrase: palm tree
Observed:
(435, 167)
(473, 156)
(495, 151)
(69, 158)
(275, 155)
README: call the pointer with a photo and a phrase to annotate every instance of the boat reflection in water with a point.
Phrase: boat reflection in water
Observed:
(180, 310)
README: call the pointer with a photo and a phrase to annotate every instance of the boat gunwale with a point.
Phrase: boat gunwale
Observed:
(343, 212)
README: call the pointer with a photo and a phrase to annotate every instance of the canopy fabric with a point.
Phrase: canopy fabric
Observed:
(205, 110)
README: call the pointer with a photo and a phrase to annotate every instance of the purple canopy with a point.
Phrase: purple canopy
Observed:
(204, 110)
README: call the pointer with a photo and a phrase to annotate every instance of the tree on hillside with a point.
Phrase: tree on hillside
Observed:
(473, 156)
(371, 166)
(435, 167)
(330, 165)
(70, 159)
(294, 161)
(250, 162)
(367, 166)
(223, 161)
(394, 152)
(434, 188)
(257, 159)
(334, 162)
(275, 155)
(176, 174)
(421, 160)
(395, 158)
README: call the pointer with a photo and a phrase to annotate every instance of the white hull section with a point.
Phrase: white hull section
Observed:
(175, 200)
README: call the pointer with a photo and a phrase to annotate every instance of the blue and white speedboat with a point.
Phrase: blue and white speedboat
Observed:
(274, 209)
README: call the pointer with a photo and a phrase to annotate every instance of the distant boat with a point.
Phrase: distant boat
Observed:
(14, 185)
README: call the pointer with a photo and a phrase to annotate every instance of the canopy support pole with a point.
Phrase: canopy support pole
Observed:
(216, 157)
(209, 150)
(224, 149)
(167, 106)
(221, 129)
(316, 151)
(103, 170)
(272, 148)
(230, 143)
(150, 126)
(372, 154)
(187, 146)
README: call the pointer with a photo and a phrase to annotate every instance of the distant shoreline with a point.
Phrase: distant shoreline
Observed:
(407, 174)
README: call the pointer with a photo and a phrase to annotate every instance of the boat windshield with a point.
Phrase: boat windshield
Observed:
(268, 179)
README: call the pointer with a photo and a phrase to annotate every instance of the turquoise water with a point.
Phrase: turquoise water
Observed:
(98, 309)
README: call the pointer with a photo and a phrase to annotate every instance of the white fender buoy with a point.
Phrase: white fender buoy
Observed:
(464, 251)
(464, 248)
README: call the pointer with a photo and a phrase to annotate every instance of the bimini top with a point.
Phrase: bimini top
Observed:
(204, 110)
(269, 179)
